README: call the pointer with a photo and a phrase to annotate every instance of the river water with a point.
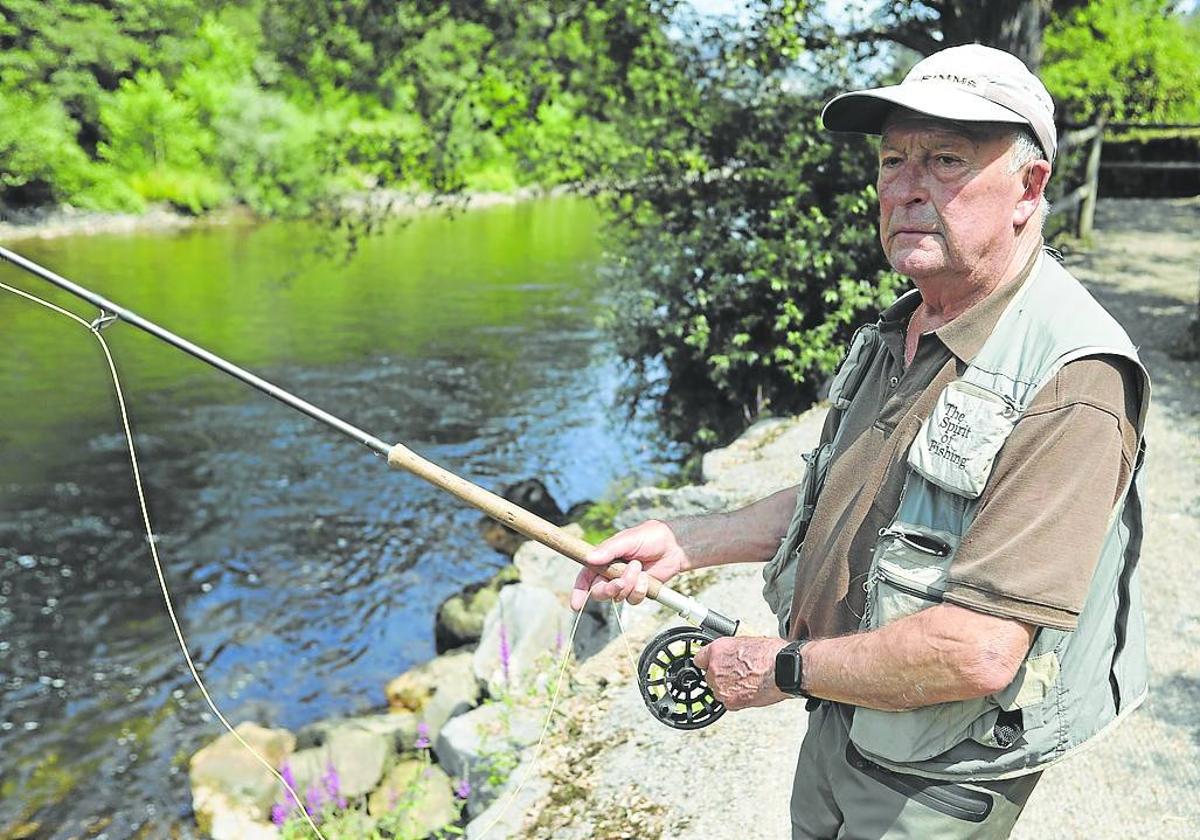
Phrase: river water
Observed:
(305, 573)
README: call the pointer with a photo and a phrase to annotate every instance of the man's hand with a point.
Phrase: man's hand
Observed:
(650, 546)
(741, 670)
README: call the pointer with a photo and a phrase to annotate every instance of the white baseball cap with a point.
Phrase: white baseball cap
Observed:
(970, 83)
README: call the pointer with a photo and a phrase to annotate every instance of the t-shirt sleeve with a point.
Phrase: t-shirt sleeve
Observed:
(1043, 516)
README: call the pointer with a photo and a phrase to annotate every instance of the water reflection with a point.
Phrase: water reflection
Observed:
(305, 573)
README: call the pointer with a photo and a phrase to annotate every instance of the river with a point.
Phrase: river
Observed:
(305, 573)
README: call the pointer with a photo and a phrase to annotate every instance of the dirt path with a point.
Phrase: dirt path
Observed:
(609, 771)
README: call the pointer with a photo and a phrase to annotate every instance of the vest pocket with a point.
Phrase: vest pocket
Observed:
(908, 574)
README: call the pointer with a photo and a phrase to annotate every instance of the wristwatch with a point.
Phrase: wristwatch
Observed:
(789, 669)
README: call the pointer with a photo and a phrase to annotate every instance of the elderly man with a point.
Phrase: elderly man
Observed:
(956, 576)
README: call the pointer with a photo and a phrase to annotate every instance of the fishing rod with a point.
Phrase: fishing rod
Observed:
(672, 687)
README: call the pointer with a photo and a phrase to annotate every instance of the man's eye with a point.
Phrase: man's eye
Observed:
(889, 162)
(947, 160)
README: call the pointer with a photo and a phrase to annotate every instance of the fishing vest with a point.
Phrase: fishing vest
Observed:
(1072, 685)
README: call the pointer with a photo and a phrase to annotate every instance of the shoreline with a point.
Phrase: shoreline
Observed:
(65, 220)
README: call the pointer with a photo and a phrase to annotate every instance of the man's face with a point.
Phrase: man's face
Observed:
(946, 198)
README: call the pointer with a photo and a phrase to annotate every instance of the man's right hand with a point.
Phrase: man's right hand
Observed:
(650, 547)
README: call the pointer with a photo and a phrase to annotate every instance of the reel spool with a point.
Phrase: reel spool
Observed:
(672, 686)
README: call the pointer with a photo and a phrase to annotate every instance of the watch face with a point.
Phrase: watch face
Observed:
(787, 669)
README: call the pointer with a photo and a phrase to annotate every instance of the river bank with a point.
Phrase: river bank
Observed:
(56, 222)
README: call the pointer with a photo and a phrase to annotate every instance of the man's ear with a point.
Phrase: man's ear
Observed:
(1036, 176)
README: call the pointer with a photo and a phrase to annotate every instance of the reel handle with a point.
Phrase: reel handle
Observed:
(548, 534)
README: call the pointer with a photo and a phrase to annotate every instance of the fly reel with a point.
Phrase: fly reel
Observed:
(672, 686)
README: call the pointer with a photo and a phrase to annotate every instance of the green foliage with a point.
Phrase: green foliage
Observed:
(748, 251)
(1133, 58)
(289, 105)
(40, 162)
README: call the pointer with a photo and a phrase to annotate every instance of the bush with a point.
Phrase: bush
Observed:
(42, 163)
(272, 153)
(748, 257)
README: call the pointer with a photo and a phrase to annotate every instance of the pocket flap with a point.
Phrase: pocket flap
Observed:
(957, 444)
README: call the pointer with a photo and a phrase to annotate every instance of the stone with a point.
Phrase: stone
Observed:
(658, 503)
(416, 799)
(398, 727)
(225, 819)
(545, 567)
(502, 818)
(483, 746)
(436, 691)
(530, 494)
(230, 787)
(356, 756)
(531, 624)
(460, 617)
(542, 566)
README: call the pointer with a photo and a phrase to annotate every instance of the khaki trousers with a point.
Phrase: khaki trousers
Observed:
(839, 794)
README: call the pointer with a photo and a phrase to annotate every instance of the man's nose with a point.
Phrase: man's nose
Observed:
(906, 186)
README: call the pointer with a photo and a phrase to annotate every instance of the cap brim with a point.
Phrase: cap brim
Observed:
(864, 111)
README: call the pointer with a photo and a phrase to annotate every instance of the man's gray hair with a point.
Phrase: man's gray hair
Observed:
(1025, 150)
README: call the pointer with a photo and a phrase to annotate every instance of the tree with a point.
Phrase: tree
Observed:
(745, 234)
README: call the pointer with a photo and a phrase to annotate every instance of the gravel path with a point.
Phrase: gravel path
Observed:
(610, 771)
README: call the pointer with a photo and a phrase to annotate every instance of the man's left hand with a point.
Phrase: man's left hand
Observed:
(740, 670)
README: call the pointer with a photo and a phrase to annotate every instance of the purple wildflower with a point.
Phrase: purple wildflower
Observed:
(314, 799)
(558, 641)
(462, 788)
(505, 653)
(422, 742)
(279, 814)
(333, 785)
(290, 778)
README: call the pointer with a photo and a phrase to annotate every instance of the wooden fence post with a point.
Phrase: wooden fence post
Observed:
(1087, 209)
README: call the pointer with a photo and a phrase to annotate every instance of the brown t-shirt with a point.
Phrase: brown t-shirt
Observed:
(1042, 518)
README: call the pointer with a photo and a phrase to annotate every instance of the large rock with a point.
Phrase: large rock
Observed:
(657, 503)
(231, 790)
(421, 797)
(436, 691)
(545, 567)
(398, 727)
(460, 617)
(483, 747)
(522, 637)
(764, 459)
(347, 764)
(505, 815)
(530, 494)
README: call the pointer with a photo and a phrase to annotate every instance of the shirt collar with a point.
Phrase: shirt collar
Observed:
(965, 335)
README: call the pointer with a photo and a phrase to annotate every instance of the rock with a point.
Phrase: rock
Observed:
(436, 691)
(530, 494)
(420, 798)
(231, 790)
(226, 820)
(351, 754)
(483, 746)
(657, 503)
(528, 624)
(545, 567)
(502, 819)
(460, 617)
(766, 458)
(398, 727)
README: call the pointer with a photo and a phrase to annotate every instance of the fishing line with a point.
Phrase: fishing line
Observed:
(94, 328)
